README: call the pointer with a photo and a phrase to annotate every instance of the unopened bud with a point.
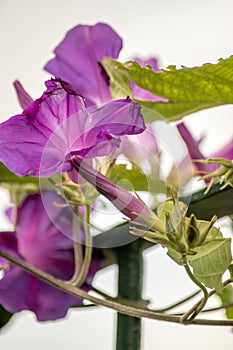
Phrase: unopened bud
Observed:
(192, 234)
(204, 231)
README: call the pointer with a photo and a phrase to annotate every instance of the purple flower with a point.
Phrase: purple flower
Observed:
(39, 141)
(78, 60)
(40, 241)
(67, 66)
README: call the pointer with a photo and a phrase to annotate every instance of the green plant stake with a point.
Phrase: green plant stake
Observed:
(130, 262)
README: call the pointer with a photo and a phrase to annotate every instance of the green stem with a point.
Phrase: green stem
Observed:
(77, 247)
(221, 307)
(81, 274)
(136, 304)
(178, 303)
(194, 311)
(130, 263)
(129, 310)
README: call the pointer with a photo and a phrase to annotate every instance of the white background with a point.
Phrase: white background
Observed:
(177, 32)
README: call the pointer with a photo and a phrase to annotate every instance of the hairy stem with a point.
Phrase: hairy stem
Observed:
(129, 310)
(194, 311)
(77, 247)
(81, 274)
(178, 303)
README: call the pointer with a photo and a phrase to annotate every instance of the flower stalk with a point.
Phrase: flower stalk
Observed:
(128, 310)
(194, 311)
(80, 274)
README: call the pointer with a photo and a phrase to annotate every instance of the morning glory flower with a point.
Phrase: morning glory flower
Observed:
(78, 60)
(84, 47)
(41, 242)
(40, 141)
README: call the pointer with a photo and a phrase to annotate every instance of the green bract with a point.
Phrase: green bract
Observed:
(192, 241)
(227, 299)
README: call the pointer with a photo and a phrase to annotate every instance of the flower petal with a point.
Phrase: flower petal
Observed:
(142, 150)
(23, 97)
(38, 142)
(21, 291)
(24, 137)
(120, 117)
(8, 243)
(77, 59)
(194, 149)
(224, 152)
(45, 243)
(40, 243)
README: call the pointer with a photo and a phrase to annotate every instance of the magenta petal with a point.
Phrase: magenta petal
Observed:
(23, 137)
(194, 150)
(224, 152)
(140, 147)
(22, 145)
(51, 303)
(14, 290)
(22, 291)
(9, 244)
(142, 150)
(39, 141)
(103, 148)
(77, 59)
(153, 62)
(42, 241)
(23, 97)
(95, 126)
(45, 243)
(120, 117)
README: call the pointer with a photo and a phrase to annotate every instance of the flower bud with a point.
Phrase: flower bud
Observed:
(192, 234)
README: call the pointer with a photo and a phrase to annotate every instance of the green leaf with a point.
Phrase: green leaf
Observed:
(8, 177)
(5, 317)
(231, 271)
(174, 209)
(134, 179)
(211, 261)
(120, 84)
(188, 89)
(227, 298)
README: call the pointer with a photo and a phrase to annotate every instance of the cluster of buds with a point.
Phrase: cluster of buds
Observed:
(223, 174)
(176, 232)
